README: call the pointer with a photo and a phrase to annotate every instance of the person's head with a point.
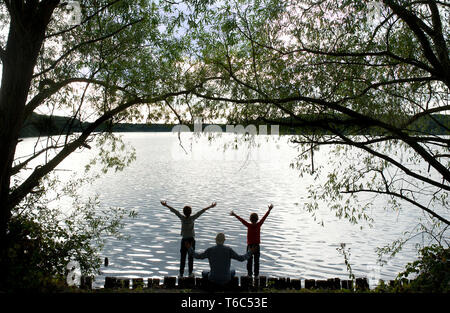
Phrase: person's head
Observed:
(187, 210)
(220, 238)
(253, 218)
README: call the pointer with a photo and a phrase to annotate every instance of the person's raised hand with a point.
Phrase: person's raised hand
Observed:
(213, 204)
(232, 213)
(271, 206)
(164, 202)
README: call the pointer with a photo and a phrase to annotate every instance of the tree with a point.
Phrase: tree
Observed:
(45, 241)
(432, 271)
(123, 61)
(365, 77)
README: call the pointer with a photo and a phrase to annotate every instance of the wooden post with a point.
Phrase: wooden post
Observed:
(181, 282)
(337, 283)
(190, 282)
(237, 283)
(262, 282)
(110, 282)
(334, 283)
(347, 284)
(234, 283)
(288, 283)
(272, 282)
(322, 284)
(86, 282)
(186, 282)
(362, 284)
(282, 283)
(137, 283)
(155, 283)
(310, 283)
(123, 283)
(169, 282)
(256, 282)
(296, 284)
(246, 282)
(200, 282)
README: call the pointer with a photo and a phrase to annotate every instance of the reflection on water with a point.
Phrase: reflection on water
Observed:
(293, 244)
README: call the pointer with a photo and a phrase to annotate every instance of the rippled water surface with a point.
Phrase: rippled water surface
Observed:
(293, 243)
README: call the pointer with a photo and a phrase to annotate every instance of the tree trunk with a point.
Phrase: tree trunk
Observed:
(26, 34)
(18, 67)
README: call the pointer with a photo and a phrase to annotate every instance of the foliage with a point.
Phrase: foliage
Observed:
(44, 238)
(122, 54)
(58, 224)
(431, 271)
(369, 78)
(123, 62)
(346, 254)
(354, 69)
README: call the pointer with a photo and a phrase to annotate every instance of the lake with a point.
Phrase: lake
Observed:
(294, 244)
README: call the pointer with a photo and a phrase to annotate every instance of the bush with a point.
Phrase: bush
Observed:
(55, 226)
(431, 271)
(34, 260)
(43, 241)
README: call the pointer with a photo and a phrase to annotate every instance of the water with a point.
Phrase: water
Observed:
(293, 243)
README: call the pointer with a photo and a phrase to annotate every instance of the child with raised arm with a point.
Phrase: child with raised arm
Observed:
(253, 238)
(187, 233)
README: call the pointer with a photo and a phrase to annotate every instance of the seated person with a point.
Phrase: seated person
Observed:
(219, 257)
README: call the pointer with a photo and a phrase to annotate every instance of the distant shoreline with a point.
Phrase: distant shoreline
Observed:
(43, 125)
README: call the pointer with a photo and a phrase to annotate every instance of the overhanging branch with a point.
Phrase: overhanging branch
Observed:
(403, 197)
(55, 87)
(74, 48)
(338, 107)
(18, 194)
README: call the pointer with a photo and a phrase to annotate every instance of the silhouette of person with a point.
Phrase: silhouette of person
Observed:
(187, 233)
(219, 257)
(253, 238)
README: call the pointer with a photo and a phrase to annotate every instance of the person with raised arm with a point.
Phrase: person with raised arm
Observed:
(187, 233)
(253, 239)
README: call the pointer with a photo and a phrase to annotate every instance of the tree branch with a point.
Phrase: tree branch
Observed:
(55, 87)
(32, 181)
(418, 28)
(406, 170)
(364, 146)
(426, 113)
(439, 41)
(68, 52)
(403, 197)
(84, 21)
(17, 168)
